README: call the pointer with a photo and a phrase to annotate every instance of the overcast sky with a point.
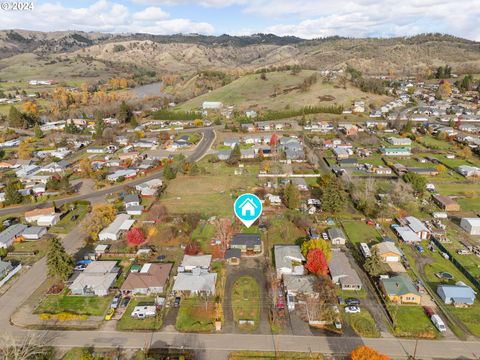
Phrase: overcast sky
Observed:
(303, 18)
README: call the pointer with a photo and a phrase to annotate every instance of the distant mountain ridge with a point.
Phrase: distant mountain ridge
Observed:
(193, 52)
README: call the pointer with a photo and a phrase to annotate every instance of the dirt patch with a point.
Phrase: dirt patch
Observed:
(326, 98)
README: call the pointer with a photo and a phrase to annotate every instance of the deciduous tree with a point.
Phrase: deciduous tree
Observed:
(291, 196)
(367, 353)
(317, 262)
(102, 215)
(135, 237)
(321, 244)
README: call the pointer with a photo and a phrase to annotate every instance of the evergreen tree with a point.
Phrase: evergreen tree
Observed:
(59, 263)
(291, 196)
(373, 265)
(133, 121)
(169, 172)
(124, 113)
(15, 118)
(12, 196)
(99, 126)
(332, 197)
(235, 155)
(38, 132)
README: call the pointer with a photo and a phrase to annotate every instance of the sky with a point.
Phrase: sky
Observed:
(303, 18)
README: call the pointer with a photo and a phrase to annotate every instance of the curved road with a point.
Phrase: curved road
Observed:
(201, 149)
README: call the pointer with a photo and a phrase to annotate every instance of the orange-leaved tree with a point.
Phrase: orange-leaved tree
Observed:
(367, 353)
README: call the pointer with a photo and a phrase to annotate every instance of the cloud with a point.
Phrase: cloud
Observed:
(102, 16)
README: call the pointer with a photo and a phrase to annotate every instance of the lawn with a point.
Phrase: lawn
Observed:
(66, 224)
(458, 188)
(246, 302)
(196, 315)
(359, 231)
(283, 231)
(469, 204)
(270, 355)
(363, 324)
(39, 247)
(128, 322)
(80, 305)
(411, 321)
(433, 143)
(203, 233)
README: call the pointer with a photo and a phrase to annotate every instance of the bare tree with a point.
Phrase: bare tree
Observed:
(26, 347)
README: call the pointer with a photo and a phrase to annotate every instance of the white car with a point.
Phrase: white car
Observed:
(352, 309)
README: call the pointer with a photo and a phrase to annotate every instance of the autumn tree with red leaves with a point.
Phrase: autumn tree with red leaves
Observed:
(192, 248)
(135, 237)
(317, 262)
(367, 353)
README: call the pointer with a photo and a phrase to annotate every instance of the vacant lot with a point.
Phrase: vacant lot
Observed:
(359, 231)
(246, 302)
(196, 315)
(39, 248)
(363, 324)
(280, 89)
(411, 321)
(80, 305)
(283, 231)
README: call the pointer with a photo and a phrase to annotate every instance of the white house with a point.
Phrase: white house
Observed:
(42, 217)
(212, 105)
(96, 279)
(113, 231)
(34, 232)
(191, 262)
(288, 260)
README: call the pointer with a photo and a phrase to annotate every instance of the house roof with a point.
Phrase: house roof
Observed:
(335, 232)
(299, 283)
(121, 222)
(9, 233)
(340, 268)
(459, 294)
(5, 266)
(233, 253)
(195, 282)
(407, 234)
(131, 198)
(33, 230)
(202, 261)
(286, 254)
(40, 212)
(246, 239)
(399, 285)
(101, 267)
(444, 200)
(97, 276)
(150, 276)
(387, 247)
(415, 224)
(472, 221)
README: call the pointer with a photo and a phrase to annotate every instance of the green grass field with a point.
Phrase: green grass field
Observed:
(283, 231)
(411, 321)
(251, 91)
(363, 324)
(358, 232)
(127, 322)
(246, 302)
(80, 305)
(195, 315)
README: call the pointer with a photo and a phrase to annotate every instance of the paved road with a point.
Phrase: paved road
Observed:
(197, 154)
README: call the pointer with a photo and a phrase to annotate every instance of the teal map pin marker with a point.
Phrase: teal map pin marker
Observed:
(247, 208)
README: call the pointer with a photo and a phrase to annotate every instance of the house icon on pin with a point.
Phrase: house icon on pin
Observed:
(248, 207)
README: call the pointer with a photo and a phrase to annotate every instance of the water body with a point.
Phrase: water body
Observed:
(149, 90)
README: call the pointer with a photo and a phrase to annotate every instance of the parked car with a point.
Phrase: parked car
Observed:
(177, 302)
(419, 248)
(352, 302)
(109, 314)
(125, 301)
(80, 267)
(115, 301)
(325, 236)
(352, 309)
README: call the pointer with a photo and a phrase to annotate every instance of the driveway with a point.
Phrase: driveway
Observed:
(254, 267)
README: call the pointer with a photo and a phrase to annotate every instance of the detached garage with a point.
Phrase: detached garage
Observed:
(471, 225)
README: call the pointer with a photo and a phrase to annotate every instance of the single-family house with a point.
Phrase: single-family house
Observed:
(458, 295)
(232, 256)
(471, 225)
(5, 268)
(97, 279)
(342, 273)
(122, 173)
(212, 105)
(191, 262)
(400, 289)
(151, 279)
(469, 171)
(295, 285)
(418, 227)
(34, 232)
(42, 217)
(231, 142)
(446, 203)
(300, 183)
(397, 151)
(395, 141)
(195, 283)
(407, 235)
(336, 236)
(288, 260)
(56, 167)
(113, 231)
(247, 243)
(387, 252)
(8, 236)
